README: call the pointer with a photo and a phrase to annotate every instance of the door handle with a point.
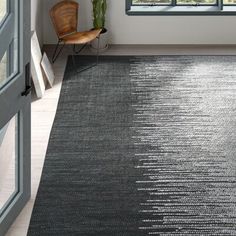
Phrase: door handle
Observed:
(28, 86)
(27, 91)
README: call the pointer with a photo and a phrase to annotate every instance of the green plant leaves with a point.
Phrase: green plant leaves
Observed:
(99, 13)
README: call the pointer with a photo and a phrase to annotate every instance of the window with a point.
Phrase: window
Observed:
(181, 7)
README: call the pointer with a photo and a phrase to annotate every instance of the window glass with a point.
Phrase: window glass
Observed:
(3, 9)
(3, 69)
(181, 7)
(196, 2)
(8, 162)
(150, 2)
(9, 63)
(185, 2)
(230, 2)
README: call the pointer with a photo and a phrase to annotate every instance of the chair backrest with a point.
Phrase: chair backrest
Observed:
(64, 16)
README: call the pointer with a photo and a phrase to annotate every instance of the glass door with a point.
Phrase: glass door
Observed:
(14, 109)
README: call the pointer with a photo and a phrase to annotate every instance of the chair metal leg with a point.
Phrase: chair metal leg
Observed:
(78, 51)
(57, 52)
(73, 58)
(98, 49)
(75, 52)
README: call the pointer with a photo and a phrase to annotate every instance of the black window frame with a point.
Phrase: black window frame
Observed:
(219, 8)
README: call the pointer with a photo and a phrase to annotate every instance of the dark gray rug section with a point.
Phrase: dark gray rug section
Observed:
(142, 145)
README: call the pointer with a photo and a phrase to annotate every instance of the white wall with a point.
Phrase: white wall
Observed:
(37, 18)
(126, 29)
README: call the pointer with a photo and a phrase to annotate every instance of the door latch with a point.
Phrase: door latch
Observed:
(28, 86)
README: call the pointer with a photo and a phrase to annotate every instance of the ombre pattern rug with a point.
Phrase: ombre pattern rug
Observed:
(142, 145)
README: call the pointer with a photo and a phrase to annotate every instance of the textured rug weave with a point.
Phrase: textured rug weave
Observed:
(142, 145)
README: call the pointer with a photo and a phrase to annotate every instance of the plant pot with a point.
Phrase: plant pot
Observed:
(103, 42)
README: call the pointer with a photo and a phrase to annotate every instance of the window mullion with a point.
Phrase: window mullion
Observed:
(174, 2)
(128, 4)
(220, 4)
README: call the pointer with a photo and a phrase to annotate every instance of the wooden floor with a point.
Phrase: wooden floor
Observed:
(43, 110)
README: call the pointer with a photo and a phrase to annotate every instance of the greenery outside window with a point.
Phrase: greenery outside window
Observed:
(181, 7)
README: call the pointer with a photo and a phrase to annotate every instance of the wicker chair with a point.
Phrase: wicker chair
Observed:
(64, 16)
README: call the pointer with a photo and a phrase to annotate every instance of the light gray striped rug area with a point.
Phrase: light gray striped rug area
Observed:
(142, 145)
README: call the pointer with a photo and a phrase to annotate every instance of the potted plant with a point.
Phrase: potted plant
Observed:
(99, 17)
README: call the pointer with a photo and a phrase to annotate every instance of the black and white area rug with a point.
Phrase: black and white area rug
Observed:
(142, 145)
